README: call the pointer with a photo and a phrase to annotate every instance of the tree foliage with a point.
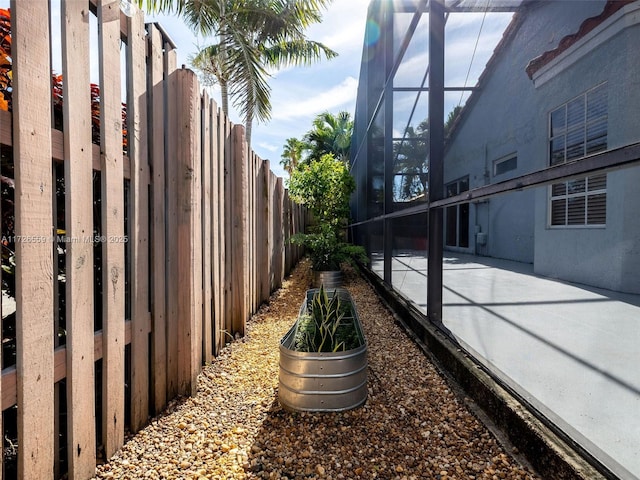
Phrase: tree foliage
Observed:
(330, 134)
(324, 186)
(292, 154)
(5, 59)
(249, 38)
(57, 87)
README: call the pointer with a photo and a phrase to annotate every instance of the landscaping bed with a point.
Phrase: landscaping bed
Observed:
(412, 425)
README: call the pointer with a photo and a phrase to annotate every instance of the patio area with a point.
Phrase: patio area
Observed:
(570, 350)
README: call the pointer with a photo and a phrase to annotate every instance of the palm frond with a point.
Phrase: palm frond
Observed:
(167, 6)
(203, 16)
(296, 52)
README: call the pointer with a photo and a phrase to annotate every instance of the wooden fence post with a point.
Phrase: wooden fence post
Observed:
(263, 244)
(112, 188)
(278, 237)
(158, 295)
(285, 231)
(240, 230)
(138, 151)
(219, 208)
(34, 220)
(81, 432)
(188, 283)
(207, 237)
(228, 239)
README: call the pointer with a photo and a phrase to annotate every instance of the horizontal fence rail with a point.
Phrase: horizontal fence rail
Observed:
(140, 233)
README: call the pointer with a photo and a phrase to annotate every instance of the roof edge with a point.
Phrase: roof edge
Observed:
(611, 7)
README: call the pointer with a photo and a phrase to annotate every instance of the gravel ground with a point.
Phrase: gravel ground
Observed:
(412, 426)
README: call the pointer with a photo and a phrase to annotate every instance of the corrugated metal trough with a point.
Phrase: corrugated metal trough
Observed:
(330, 279)
(322, 381)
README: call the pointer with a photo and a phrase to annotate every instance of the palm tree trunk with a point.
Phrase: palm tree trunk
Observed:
(224, 94)
(224, 91)
(248, 128)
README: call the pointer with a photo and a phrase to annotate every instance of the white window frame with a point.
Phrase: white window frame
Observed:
(587, 192)
(502, 160)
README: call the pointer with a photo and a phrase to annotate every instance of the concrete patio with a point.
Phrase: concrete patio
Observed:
(571, 350)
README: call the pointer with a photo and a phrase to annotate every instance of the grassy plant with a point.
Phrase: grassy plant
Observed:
(327, 326)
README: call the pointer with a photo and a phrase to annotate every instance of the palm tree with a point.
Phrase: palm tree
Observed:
(330, 134)
(251, 36)
(292, 154)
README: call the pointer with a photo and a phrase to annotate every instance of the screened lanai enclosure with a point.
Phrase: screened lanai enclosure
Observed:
(496, 154)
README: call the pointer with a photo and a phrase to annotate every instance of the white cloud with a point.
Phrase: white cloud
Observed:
(268, 146)
(342, 27)
(312, 101)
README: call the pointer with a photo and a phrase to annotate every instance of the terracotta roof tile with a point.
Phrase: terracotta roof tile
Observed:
(611, 7)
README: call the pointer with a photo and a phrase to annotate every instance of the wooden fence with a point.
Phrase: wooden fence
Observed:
(132, 268)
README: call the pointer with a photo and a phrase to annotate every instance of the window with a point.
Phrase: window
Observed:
(504, 165)
(457, 217)
(577, 129)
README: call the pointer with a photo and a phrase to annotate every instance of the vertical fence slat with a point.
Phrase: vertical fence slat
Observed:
(239, 233)
(222, 228)
(189, 246)
(253, 268)
(138, 156)
(79, 263)
(158, 302)
(264, 230)
(207, 338)
(216, 205)
(278, 247)
(171, 135)
(33, 216)
(286, 227)
(272, 213)
(196, 236)
(113, 273)
(228, 226)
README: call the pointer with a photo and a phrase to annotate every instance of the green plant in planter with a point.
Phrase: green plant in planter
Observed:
(328, 325)
(324, 187)
(327, 251)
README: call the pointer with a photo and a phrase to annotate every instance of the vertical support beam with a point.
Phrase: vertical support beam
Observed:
(112, 188)
(78, 173)
(387, 38)
(138, 155)
(158, 296)
(34, 219)
(436, 157)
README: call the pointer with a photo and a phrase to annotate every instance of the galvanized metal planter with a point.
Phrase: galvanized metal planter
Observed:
(328, 278)
(322, 381)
